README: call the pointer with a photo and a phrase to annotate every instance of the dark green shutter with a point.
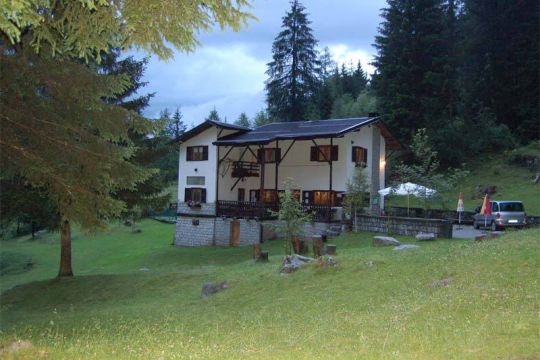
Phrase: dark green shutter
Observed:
(205, 152)
(203, 196)
(187, 195)
(335, 152)
(314, 154)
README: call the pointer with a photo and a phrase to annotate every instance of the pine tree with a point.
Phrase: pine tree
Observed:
(261, 118)
(68, 139)
(174, 126)
(130, 98)
(499, 72)
(86, 29)
(69, 142)
(293, 69)
(327, 64)
(243, 120)
(213, 115)
(410, 61)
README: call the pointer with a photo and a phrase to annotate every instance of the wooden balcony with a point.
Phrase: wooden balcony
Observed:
(243, 169)
(252, 210)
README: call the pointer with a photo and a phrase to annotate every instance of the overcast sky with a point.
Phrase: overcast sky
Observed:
(228, 70)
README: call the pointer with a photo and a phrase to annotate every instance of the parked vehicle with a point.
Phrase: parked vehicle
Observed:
(503, 214)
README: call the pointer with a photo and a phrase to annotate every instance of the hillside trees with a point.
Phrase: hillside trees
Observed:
(466, 71)
(59, 132)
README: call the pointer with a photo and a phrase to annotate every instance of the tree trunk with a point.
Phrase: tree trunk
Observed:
(33, 229)
(65, 249)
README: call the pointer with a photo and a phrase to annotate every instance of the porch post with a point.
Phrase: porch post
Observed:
(331, 197)
(277, 167)
(261, 185)
(218, 163)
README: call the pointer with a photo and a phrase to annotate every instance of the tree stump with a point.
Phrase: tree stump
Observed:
(330, 249)
(263, 257)
(256, 251)
(317, 246)
(299, 245)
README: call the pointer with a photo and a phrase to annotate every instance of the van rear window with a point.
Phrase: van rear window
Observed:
(511, 207)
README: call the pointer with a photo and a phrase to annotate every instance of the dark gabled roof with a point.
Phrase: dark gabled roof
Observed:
(299, 130)
(208, 124)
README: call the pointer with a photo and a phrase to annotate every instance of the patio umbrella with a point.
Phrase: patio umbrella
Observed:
(408, 189)
(486, 209)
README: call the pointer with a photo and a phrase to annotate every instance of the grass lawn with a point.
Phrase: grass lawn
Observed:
(513, 183)
(115, 310)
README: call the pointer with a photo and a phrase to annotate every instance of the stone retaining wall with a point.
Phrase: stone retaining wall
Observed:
(404, 225)
(208, 231)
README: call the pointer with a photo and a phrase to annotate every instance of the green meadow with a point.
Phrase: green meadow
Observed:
(137, 297)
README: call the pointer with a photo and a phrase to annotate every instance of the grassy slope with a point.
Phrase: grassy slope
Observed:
(513, 183)
(352, 311)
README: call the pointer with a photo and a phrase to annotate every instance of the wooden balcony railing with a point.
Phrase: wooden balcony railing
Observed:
(251, 210)
(243, 169)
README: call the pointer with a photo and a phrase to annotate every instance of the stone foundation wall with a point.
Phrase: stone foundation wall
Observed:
(404, 225)
(194, 231)
(208, 231)
(250, 231)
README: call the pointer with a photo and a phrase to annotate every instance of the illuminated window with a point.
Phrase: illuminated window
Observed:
(359, 156)
(324, 153)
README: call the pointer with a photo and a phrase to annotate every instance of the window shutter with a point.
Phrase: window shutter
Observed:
(364, 159)
(203, 196)
(189, 153)
(205, 152)
(354, 154)
(335, 151)
(278, 155)
(314, 154)
(187, 195)
(260, 156)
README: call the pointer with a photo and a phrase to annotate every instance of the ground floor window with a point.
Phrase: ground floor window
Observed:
(323, 197)
(195, 195)
(270, 196)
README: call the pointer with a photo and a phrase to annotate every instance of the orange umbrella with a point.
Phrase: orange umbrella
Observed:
(486, 209)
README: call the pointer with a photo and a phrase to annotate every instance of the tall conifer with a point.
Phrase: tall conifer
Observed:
(293, 69)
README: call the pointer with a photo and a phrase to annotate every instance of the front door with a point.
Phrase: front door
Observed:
(235, 234)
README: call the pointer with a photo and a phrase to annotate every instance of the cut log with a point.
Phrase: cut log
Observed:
(330, 249)
(263, 257)
(256, 251)
(318, 246)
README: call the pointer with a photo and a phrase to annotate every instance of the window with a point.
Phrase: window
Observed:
(512, 207)
(270, 196)
(324, 153)
(270, 155)
(241, 194)
(195, 180)
(197, 153)
(195, 195)
(494, 206)
(322, 197)
(359, 156)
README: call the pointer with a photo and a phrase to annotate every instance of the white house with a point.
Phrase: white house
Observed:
(229, 176)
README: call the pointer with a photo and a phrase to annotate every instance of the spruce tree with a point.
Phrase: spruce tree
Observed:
(68, 141)
(293, 69)
(213, 115)
(243, 120)
(410, 61)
